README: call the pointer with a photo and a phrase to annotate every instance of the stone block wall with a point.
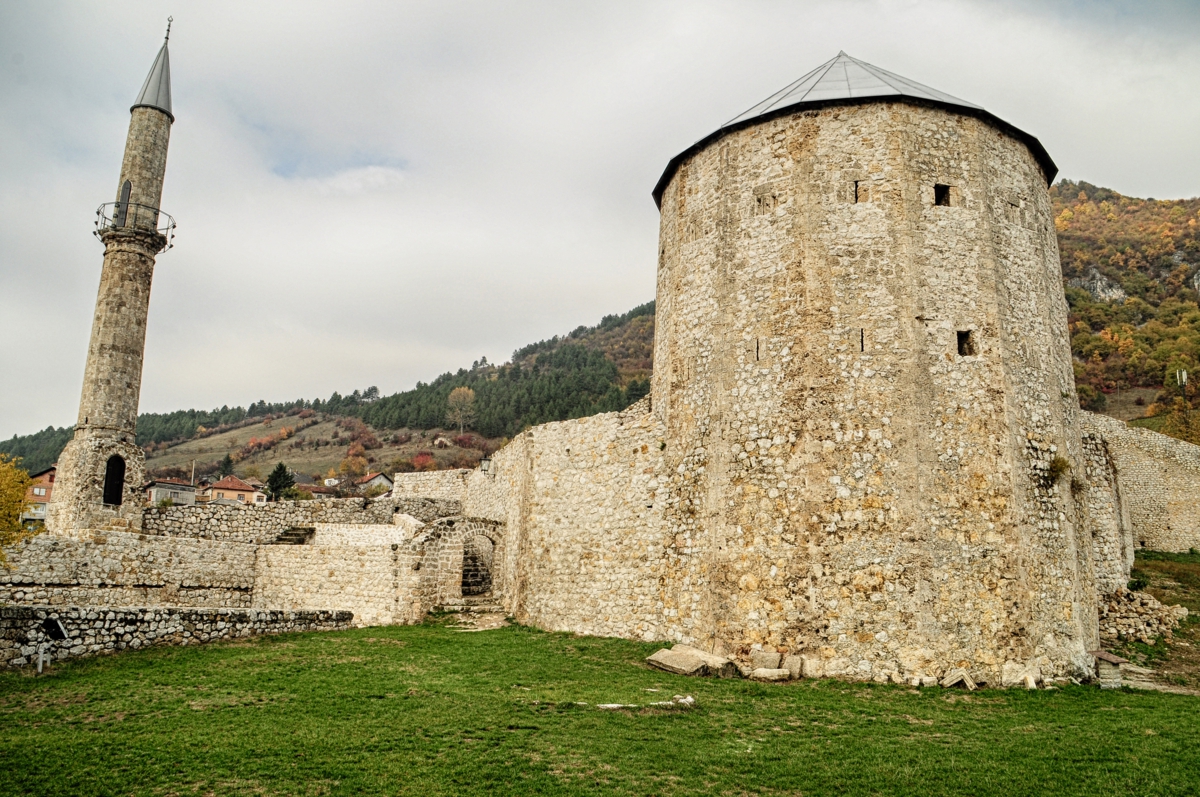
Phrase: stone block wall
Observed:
(92, 631)
(358, 578)
(1107, 516)
(262, 524)
(1159, 481)
(126, 569)
(447, 485)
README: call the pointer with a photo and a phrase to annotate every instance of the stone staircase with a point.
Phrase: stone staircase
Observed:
(476, 613)
(298, 535)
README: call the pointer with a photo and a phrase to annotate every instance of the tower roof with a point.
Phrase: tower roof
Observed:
(844, 80)
(156, 91)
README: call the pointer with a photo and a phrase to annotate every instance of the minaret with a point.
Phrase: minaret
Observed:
(102, 469)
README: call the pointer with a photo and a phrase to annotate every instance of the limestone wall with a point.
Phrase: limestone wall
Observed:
(93, 631)
(364, 534)
(1159, 479)
(264, 523)
(125, 569)
(358, 578)
(1107, 516)
(447, 485)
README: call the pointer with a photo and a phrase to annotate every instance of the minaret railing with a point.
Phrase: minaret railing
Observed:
(132, 216)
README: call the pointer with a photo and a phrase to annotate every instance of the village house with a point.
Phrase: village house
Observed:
(177, 491)
(37, 497)
(232, 490)
(372, 480)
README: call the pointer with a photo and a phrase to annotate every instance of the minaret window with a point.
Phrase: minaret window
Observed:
(123, 206)
(114, 481)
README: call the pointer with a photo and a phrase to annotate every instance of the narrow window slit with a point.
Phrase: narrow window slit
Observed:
(966, 343)
(862, 340)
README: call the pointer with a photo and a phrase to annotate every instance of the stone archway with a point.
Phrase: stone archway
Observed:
(478, 555)
(463, 558)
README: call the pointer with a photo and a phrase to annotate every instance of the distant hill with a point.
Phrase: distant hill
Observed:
(1131, 270)
(593, 369)
(1132, 273)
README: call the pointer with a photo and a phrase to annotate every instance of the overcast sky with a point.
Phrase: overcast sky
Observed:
(375, 193)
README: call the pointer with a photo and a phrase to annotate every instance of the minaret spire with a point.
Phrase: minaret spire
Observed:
(100, 472)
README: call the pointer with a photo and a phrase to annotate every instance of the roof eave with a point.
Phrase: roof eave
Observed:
(1049, 169)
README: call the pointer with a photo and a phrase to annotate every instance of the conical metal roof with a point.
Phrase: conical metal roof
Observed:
(844, 80)
(156, 91)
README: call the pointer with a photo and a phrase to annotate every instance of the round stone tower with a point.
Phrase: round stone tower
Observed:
(101, 470)
(863, 372)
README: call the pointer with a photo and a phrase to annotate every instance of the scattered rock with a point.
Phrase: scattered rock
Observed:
(770, 674)
(679, 662)
(683, 702)
(958, 676)
(794, 665)
(1137, 616)
(720, 666)
(1014, 673)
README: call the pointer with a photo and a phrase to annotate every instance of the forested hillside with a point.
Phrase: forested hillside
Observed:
(1131, 269)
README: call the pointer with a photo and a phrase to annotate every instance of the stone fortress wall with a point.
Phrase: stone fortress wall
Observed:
(1159, 479)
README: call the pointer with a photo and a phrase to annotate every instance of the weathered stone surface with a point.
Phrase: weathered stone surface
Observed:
(795, 665)
(958, 676)
(91, 632)
(769, 674)
(764, 659)
(720, 666)
(680, 662)
(1138, 616)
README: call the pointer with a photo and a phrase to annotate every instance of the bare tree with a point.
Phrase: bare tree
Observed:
(462, 407)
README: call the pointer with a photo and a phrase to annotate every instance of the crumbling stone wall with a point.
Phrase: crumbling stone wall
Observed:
(264, 523)
(1159, 480)
(92, 631)
(107, 569)
(1107, 515)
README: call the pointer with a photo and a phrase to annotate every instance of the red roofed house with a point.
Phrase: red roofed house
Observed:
(373, 480)
(37, 496)
(232, 490)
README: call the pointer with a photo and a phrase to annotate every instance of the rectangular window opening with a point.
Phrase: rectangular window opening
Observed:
(941, 195)
(966, 343)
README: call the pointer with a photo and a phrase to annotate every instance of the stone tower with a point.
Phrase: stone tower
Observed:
(101, 470)
(863, 372)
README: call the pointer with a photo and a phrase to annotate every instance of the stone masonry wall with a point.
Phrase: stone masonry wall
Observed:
(1107, 516)
(265, 522)
(1159, 481)
(448, 485)
(93, 631)
(124, 569)
(364, 579)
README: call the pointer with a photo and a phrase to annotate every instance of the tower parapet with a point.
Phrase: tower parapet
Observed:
(101, 470)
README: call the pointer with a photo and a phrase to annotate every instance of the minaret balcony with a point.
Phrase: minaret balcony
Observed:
(135, 218)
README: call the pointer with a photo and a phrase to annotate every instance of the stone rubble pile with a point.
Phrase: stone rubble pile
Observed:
(1137, 616)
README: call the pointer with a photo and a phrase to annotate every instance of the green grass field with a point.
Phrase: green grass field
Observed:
(424, 710)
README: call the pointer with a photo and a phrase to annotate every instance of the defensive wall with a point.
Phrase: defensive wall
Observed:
(94, 631)
(1159, 480)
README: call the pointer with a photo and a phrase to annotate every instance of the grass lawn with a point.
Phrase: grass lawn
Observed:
(424, 710)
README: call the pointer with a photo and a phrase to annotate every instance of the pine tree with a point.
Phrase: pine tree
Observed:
(280, 481)
(226, 468)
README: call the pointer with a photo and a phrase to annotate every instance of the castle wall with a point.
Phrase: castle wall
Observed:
(1159, 480)
(264, 523)
(108, 569)
(845, 482)
(358, 578)
(1107, 514)
(92, 631)
(445, 485)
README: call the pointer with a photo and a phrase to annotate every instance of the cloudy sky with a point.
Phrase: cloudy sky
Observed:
(375, 193)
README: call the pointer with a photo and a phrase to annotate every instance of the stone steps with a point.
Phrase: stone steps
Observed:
(297, 535)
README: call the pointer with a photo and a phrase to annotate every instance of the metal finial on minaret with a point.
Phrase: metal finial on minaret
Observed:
(167, 38)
